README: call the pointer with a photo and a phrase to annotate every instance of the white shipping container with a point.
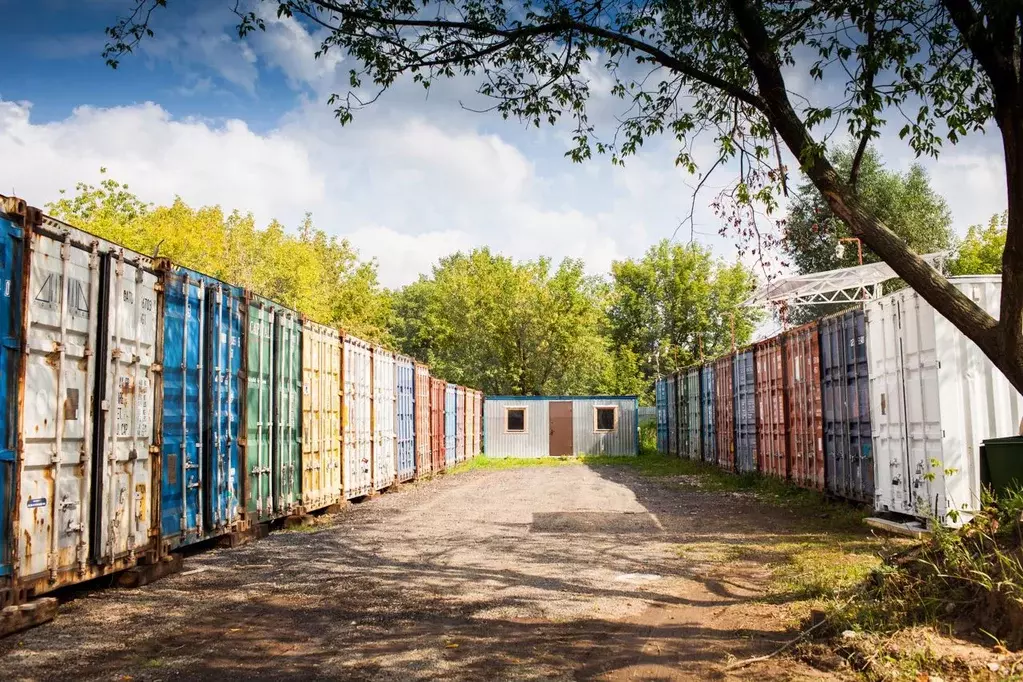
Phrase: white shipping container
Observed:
(384, 436)
(357, 418)
(84, 471)
(934, 396)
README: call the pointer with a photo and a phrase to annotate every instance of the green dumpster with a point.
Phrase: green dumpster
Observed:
(1001, 463)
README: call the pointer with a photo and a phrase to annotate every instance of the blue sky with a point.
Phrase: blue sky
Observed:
(245, 124)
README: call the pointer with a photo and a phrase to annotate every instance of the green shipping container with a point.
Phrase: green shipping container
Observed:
(273, 410)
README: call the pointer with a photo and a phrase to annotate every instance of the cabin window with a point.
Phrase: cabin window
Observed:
(515, 419)
(606, 418)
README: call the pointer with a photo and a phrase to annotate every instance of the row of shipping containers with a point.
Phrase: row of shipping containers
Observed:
(884, 404)
(149, 407)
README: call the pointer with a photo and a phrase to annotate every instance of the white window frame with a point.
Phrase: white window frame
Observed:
(596, 409)
(525, 419)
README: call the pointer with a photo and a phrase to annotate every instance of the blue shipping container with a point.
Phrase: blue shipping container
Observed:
(745, 410)
(661, 401)
(11, 255)
(708, 387)
(672, 392)
(200, 489)
(848, 449)
(450, 420)
(404, 393)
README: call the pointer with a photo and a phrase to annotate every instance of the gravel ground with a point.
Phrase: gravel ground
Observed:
(570, 572)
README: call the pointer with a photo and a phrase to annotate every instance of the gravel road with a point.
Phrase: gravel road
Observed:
(570, 572)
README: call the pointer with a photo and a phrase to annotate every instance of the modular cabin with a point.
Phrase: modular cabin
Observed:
(542, 426)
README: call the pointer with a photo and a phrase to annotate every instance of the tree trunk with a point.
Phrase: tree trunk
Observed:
(1010, 325)
(1004, 348)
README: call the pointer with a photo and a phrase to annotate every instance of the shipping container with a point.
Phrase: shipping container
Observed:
(384, 435)
(424, 462)
(772, 408)
(322, 414)
(708, 425)
(200, 494)
(273, 410)
(541, 426)
(438, 392)
(661, 403)
(405, 417)
(470, 421)
(801, 349)
(673, 430)
(694, 413)
(934, 397)
(450, 420)
(744, 388)
(724, 413)
(12, 239)
(460, 423)
(478, 442)
(357, 420)
(848, 449)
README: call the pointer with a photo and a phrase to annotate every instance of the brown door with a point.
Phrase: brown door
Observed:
(561, 429)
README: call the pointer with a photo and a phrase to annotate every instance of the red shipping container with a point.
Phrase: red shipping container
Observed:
(424, 464)
(437, 389)
(772, 438)
(805, 414)
(724, 413)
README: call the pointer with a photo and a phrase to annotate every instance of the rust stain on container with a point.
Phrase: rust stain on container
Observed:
(724, 412)
(772, 441)
(805, 414)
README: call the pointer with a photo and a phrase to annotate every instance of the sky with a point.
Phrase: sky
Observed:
(202, 114)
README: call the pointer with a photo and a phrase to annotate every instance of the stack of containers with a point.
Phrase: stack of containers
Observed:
(357, 419)
(423, 437)
(450, 430)
(849, 462)
(273, 412)
(460, 423)
(405, 418)
(801, 350)
(724, 406)
(708, 433)
(438, 392)
(745, 415)
(672, 387)
(772, 409)
(322, 471)
(384, 437)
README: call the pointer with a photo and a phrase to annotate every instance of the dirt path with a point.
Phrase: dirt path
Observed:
(571, 572)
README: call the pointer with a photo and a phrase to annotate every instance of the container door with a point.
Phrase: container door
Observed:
(405, 426)
(449, 425)
(220, 500)
(11, 241)
(861, 451)
(561, 441)
(287, 446)
(709, 421)
(183, 407)
(313, 488)
(124, 427)
(54, 516)
(259, 403)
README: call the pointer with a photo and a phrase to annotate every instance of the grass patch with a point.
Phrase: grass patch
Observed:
(484, 463)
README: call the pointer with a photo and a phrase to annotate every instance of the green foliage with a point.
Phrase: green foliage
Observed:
(307, 270)
(677, 303)
(981, 252)
(905, 203)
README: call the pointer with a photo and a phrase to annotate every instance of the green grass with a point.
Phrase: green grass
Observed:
(484, 463)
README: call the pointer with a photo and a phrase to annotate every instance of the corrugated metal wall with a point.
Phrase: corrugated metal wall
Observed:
(724, 407)
(744, 387)
(460, 423)
(450, 430)
(772, 429)
(623, 440)
(535, 440)
(11, 265)
(708, 386)
(357, 418)
(801, 349)
(671, 391)
(384, 436)
(424, 464)
(405, 412)
(694, 414)
(661, 403)
(438, 391)
(321, 416)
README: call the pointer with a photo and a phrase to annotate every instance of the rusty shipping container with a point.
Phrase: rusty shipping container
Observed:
(772, 408)
(801, 350)
(86, 427)
(423, 440)
(745, 414)
(405, 417)
(460, 423)
(12, 240)
(356, 418)
(384, 436)
(322, 476)
(724, 412)
(438, 391)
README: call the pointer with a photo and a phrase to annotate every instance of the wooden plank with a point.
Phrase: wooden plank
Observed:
(17, 618)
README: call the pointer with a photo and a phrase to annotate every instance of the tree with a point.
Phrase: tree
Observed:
(904, 201)
(316, 275)
(677, 305)
(727, 68)
(511, 328)
(981, 252)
